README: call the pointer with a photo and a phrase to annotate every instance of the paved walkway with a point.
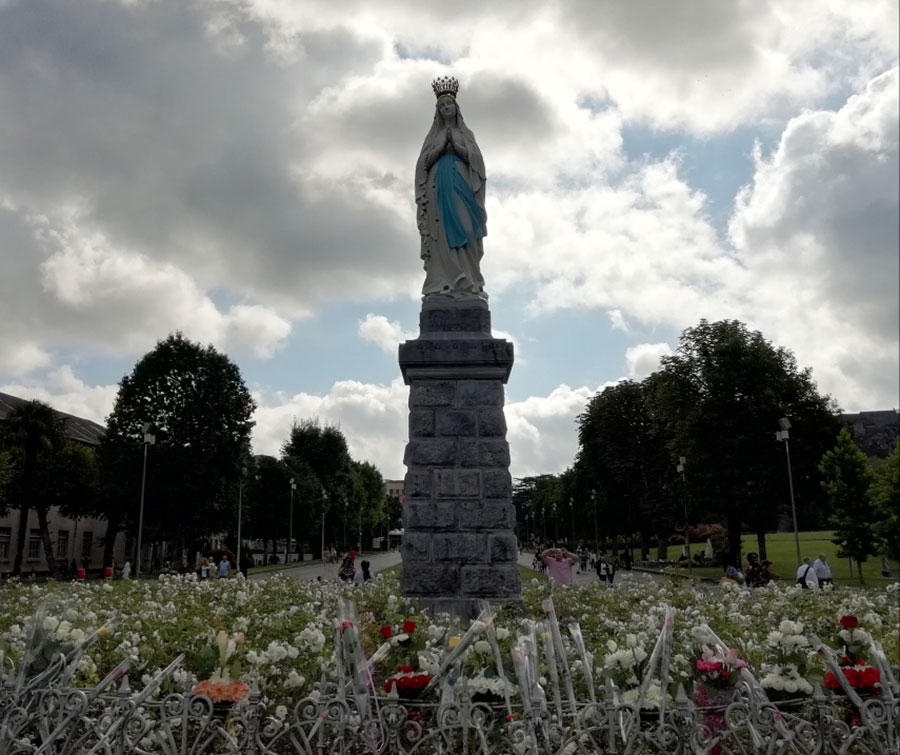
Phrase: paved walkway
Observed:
(378, 560)
(312, 570)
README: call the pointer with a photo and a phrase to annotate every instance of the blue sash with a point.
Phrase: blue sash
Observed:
(451, 184)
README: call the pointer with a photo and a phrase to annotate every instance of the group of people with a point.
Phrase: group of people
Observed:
(559, 563)
(350, 573)
(816, 574)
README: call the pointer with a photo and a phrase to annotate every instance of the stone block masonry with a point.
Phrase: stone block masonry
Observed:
(459, 544)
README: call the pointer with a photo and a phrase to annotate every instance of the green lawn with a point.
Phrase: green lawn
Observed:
(781, 552)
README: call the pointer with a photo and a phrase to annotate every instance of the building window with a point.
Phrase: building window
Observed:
(62, 544)
(87, 545)
(34, 545)
(5, 538)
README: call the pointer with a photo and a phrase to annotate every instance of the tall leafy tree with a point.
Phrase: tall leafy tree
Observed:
(196, 405)
(885, 495)
(722, 394)
(368, 495)
(267, 497)
(322, 467)
(623, 459)
(34, 430)
(846, 478)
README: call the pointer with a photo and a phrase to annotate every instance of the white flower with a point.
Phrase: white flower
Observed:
(611, 644)
(281, 712)
(294, 680)
(482, 647)
(51, 623)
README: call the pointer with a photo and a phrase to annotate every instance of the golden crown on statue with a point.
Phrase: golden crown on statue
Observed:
(445, 85)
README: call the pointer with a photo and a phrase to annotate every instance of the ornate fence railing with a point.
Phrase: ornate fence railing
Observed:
(65, 721)
(42, 713)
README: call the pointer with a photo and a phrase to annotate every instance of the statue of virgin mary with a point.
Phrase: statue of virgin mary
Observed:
(450, 181)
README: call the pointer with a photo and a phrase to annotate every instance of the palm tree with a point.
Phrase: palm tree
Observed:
(32, 427)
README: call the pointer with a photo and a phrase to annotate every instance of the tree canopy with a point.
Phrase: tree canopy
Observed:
(194, 402)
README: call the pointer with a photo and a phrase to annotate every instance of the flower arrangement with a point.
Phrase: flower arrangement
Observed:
(408, 679)
(717, 669)
(860, 675)
(788, 672)
(223, 684)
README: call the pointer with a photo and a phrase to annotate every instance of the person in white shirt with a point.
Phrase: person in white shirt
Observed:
(823, 571)
(806, 575)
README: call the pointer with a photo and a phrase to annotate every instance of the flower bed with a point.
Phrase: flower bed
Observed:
(287, 628)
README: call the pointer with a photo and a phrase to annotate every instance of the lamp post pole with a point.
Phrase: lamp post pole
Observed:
(687, 538)
(344, 527)
(783, 435)
(572, 515)
(149, 440)
(290, 540)
(555, 523)
(240, 512)
(324, 499)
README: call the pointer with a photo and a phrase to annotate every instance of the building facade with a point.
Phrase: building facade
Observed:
(74, 541)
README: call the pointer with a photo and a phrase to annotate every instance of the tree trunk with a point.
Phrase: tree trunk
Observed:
(761, 544)
(733, 522)
(48, 545)
(645, 544)
(20, 541)
(109, 540)
(662, 546)
(859, 569)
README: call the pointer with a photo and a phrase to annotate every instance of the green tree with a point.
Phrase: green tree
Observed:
(369, 498)
(196, 405)
(267, 497)
(885, 495)
(623, 460)
(846, 478)
(721, 396)
(320, 461)
(34, 430)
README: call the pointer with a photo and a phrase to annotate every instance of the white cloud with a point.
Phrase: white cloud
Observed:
(617, 320)
(386, 335)
(645, 358)
(22, 358)
(817, 231)
(66, 392)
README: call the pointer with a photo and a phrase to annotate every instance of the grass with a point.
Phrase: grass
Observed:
(781, 552)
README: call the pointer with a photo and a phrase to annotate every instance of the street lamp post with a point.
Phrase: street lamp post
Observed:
(324, 500)
(149, 440)
(782, 434)
(344, 526)
(555, 523)
(290, 540)
(687, 538)
(572, 514)
(240, 517)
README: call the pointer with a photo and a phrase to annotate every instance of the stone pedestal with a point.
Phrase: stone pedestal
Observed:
(459, 543)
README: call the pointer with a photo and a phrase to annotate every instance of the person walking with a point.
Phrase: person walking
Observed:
(559, 563)
(611, 570)
(203, 570)
(757, 575)
(126, 570)
(224, 568)
(806, 575)
(823, 570)
(602, 569)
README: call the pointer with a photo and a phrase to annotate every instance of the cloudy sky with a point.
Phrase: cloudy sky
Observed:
(241, 170)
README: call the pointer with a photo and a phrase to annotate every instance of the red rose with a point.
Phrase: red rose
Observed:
(726, 674)
(852, 676)
(409, 627)
(386, 632)
(849, 622)
(831, 681)
(845, 661)
(869, 677)
(405, 669)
